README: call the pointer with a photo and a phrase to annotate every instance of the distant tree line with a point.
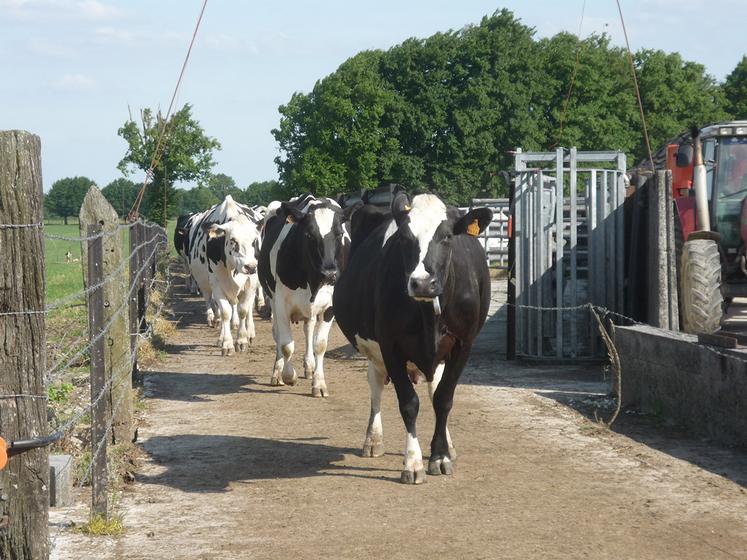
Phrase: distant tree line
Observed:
(65, 197)
(445, 112)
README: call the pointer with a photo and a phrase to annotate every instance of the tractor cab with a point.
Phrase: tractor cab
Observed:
(709, 184)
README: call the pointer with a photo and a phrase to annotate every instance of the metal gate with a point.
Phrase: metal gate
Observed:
(568, 226)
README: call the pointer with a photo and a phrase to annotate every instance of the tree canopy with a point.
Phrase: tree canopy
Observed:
(735, 90)
(186, 155)
(445, 112)
(66, 196)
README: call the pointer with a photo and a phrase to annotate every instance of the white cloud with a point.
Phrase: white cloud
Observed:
(75, 83)
(115, 35)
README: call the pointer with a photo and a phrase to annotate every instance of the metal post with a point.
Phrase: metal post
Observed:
(99, 405)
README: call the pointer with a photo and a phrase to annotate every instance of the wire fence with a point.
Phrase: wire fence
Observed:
(121, 318)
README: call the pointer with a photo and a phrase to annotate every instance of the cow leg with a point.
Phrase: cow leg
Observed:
(432, 386)
(409, 404)
(284, 344)
(235, 321)
(210, 311)
(226, 339)
(246, 321)
(373, 446)
(308, 360)
(442, 449)
(279, 360)
(318, 383)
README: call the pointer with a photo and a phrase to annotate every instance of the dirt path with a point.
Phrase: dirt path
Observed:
(235, 468)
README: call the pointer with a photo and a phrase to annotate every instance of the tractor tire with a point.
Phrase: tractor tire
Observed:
(701, 302)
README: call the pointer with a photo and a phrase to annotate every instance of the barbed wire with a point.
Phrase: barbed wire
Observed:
(74, 297)
(115, 381)
(112, 318)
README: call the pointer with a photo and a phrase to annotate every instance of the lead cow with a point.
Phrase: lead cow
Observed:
(414, 295)
(304, 249)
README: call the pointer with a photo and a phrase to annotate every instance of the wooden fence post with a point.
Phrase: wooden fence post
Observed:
(96, 210)
(141, 303)
(133, 295)
(99, 404)
(24, 483)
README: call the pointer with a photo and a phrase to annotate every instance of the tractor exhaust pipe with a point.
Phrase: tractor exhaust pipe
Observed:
(699, 185)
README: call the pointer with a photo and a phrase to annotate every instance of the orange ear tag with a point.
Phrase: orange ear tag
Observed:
(474, 228)
(3, 454)
(289, 219)
(407, 208)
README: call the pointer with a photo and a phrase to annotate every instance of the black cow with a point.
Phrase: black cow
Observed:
(304, 249)
(414, 295)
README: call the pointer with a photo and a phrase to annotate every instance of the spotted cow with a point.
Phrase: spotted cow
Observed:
(303, 252)
(222, 246)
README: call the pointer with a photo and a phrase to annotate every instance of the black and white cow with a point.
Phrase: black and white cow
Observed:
(222, 247)
(413, 297)
(304, 250)
(181, 244)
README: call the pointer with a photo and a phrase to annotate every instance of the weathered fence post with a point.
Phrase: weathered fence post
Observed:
(96, 210)
(662, 288)
(142, 280)
(99, 404)
(24, 494)
(133, 295)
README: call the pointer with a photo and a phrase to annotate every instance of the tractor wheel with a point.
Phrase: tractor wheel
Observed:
(700, 286)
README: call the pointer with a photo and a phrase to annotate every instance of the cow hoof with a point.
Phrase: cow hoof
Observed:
(440, 466)
(226, 351)
(410, 477)
(275, 381)
(373, 449)
(319, 392)
(290, 379)
(241, 347)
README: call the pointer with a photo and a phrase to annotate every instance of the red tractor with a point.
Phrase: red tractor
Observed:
(709, 184)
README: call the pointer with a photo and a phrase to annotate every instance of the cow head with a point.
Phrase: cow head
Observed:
(241, 244)
(426, 228)
(324, 238)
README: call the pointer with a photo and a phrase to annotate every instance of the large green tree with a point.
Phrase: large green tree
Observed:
(66, 196)
(445, 112)
(121, 195)
(735, 90)
(197, 199)
(221, 185)
(186, 154)
(264, 192)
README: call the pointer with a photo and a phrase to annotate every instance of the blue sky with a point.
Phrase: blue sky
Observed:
(72, 68)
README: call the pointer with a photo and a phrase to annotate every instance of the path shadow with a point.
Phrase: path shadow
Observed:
(586, 389)
(210, 463)
(176, 386)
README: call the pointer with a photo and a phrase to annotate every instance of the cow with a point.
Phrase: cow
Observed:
(304, 250)
(181, 244)
(412, 299)
(222, 249)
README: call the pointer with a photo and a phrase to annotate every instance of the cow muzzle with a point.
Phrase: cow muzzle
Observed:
(423, 288)
(329, 275)
(249, 269)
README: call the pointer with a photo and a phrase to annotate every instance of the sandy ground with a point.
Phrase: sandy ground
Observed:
(235, 468)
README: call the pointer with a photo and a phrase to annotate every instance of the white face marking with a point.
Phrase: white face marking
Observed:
(325, 218)
(426, 215)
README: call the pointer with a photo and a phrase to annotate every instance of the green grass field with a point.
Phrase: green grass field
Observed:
(65, 278)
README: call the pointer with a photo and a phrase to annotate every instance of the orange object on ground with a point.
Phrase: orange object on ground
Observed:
(3, 453)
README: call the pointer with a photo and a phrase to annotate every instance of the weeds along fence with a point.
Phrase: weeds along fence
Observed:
(123, 266)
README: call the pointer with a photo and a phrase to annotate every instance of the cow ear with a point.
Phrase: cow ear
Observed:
(348, 212)
(292, 213)
(215, 230)
(474, 222)
(400, 207)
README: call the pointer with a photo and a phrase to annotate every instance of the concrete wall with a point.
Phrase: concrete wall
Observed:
(670, 374)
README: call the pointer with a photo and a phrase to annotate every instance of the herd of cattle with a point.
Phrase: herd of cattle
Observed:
(409, 286)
